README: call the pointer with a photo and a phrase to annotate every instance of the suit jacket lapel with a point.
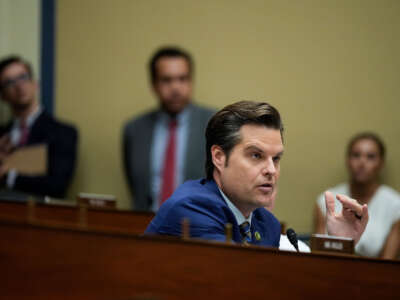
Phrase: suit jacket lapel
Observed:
(147, 143)
(38, 130)
(36, 133)
(230, 217)
(258, 233)
(195, 134)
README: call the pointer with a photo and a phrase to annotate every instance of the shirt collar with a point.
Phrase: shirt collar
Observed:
(181, 118)
(240, 218)
(31, 118)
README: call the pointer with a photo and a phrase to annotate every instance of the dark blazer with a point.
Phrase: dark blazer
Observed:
(61, 140)
(201, 202)
(137, 143)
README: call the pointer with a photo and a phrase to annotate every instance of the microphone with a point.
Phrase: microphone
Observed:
(292, 236)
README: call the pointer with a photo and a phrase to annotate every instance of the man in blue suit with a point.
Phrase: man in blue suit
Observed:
(244, 148)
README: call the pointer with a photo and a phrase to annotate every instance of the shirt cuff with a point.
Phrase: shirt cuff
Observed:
(11, 177)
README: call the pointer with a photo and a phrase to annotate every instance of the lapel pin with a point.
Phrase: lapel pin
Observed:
(257, 235)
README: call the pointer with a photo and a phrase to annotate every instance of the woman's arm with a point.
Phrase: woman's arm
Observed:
(392, 245)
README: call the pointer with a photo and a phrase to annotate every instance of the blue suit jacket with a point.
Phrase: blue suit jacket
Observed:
(201, 202)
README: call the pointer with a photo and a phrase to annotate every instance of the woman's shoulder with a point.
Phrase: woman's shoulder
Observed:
(388, 195)
(342, 188)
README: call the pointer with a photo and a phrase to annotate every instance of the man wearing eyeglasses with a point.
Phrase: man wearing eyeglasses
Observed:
(31, 125)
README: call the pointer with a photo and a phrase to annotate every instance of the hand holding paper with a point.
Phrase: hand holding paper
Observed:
(30, 160)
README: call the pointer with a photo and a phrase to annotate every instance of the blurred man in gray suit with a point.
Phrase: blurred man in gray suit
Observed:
(165, 147)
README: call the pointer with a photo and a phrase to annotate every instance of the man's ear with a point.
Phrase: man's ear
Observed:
(218, 157)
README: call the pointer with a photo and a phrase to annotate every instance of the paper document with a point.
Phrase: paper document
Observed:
(30, 160)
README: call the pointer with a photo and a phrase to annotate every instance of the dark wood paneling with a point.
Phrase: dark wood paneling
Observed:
(45, 262)
(130, 221)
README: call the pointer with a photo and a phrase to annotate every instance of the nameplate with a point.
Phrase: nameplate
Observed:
(97, 200)
(327, 243)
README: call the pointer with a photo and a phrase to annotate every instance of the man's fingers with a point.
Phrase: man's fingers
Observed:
(5, 139)
(330, 203)
(348, 213)
(365, 215)
(5, 144)
(351, 204)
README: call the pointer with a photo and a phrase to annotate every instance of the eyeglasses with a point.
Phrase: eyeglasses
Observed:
(9, 83)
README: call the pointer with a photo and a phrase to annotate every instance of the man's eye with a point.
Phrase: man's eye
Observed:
(277, 159)
(183, 78)
(256, 155)
(166, 80)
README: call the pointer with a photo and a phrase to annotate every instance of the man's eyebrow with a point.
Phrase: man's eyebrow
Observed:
(253, 147)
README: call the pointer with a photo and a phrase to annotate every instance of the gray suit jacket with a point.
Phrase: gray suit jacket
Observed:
(137, 142)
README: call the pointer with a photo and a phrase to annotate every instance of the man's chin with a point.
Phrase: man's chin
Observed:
(175, 105)
(21, 106)
(266, 202)
(174, 109)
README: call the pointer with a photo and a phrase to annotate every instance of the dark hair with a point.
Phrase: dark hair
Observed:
(14, 59)
(168, 52)
(367, 136)
(223, 128)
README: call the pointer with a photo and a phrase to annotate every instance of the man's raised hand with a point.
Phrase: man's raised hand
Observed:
(350, 222)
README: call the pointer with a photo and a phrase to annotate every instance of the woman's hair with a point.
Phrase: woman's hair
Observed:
(367, 136)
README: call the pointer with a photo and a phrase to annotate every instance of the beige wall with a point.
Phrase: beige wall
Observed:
(331, 67)
(20, 35)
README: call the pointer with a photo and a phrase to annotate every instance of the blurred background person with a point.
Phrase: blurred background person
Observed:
(31, 125)
(166, 146)
(365, 160)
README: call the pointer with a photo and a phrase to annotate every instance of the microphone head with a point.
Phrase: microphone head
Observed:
(290, 233)
(292, 236)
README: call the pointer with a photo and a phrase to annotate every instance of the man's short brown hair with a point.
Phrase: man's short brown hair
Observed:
(223, 128)
(169, 52)
(4, 63)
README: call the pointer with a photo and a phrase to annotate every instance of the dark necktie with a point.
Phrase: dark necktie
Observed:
(246, 233)
(168, 175)
(24, 130)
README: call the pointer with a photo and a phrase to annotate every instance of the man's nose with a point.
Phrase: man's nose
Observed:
(269, 168)
(175, 84)
(19, 84)
(363, 160)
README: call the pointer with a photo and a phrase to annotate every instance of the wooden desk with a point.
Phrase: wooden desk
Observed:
(128, 221)
(54, 262)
